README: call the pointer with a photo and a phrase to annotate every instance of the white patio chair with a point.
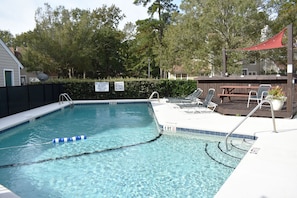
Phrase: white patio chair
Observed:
(258, 95)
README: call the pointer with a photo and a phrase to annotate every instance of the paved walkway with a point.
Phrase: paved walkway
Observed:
(268, 170)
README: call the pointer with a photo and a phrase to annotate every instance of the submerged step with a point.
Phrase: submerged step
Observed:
(219, 154)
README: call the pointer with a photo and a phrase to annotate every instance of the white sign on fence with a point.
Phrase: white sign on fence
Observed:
(119, 86)
(101, 86)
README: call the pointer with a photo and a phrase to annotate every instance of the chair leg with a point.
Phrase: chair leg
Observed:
(248, 103)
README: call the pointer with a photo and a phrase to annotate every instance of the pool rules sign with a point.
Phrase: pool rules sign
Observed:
(104, 86)
(119, 86)
(101, 86)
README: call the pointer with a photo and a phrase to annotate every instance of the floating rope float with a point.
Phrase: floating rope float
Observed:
(69, 139)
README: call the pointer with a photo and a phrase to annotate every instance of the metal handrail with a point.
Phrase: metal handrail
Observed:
(252, 112)
(152, 95)
(66, 96)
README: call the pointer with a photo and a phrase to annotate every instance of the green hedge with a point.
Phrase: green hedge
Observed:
(134, 89)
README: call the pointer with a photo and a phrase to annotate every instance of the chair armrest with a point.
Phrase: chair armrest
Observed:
(253, 92)
(212, 105)
(264, 93)
(199, 102)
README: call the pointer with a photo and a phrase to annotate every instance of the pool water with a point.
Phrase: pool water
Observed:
(170, 166)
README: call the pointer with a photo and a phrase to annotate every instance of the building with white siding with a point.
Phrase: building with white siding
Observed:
(10, 67)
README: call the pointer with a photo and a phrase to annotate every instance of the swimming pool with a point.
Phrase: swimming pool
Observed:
(107, 164)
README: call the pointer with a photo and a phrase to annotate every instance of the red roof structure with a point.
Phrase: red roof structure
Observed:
(272, 43)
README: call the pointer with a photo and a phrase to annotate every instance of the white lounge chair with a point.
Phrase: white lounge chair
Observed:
(206, 105)
(191, 98)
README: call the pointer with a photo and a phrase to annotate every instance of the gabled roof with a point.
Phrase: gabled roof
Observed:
(11, 54)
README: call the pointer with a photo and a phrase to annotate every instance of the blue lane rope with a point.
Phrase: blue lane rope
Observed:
(55, 140)
(69, 139)
(78, 155)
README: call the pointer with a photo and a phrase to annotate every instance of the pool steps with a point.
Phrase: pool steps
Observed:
(228, 158)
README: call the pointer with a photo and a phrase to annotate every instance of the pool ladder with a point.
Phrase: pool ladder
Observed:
(65, 96)
(154, 93)
(249, 115)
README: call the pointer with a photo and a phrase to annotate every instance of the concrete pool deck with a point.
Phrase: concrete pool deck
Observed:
(269, 169)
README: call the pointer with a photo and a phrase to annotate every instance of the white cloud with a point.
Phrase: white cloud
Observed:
(18, 16)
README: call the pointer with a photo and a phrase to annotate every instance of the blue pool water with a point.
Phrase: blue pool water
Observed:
(171, 166)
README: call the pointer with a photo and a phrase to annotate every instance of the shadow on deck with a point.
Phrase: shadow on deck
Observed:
(238, 107)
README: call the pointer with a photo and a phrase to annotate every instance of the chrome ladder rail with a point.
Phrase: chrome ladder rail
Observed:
(249, 115)
(152, 95)
(65, 96)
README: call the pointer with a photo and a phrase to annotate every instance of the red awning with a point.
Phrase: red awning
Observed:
(272, 43)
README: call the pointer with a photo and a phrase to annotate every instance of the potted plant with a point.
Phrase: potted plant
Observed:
(277, 97)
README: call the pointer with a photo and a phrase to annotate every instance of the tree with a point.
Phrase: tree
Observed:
(75, 43)
(107, 61)
(283, 13)
(205, 27)
(164, 10)
(140, 49)
(162, 7)
(7, 38)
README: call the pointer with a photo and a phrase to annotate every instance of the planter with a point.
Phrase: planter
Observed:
(277, 104)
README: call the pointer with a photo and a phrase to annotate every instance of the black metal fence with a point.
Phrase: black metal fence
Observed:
(16, 99)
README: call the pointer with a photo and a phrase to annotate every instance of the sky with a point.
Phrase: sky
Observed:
(17, 16)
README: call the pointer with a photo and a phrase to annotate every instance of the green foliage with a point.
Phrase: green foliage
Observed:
(282, 13)
(155, 32)
(88, 44)
(205, 27)
(7, 38)
(162, 7)
(75, 43)
(277, 92)
(134, 88)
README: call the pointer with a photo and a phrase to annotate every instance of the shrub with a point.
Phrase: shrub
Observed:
(134, 88)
